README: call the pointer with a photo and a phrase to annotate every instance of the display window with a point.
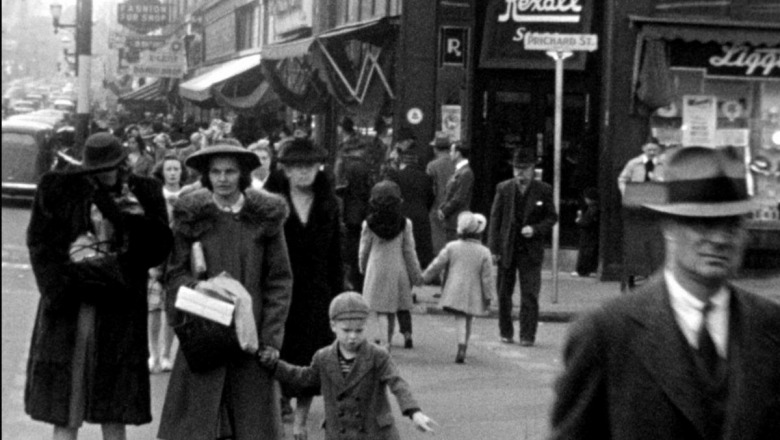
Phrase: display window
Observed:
(726, 111)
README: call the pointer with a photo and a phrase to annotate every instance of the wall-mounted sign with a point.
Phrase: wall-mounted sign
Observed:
(414, 115)
(562, 42)
(289, 16)
(727, 60)
(700, 120)
(143, 16)
(169, 61)
(454, 46)
(510, 23)
(117, 40)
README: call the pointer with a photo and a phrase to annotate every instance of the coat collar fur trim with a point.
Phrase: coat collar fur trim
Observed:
(195, 213)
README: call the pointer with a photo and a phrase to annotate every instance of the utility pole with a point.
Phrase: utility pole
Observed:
(84, 66)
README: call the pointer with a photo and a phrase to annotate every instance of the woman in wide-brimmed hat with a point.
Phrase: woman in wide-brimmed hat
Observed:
(240, 232)
(94, 233)
(313, 234)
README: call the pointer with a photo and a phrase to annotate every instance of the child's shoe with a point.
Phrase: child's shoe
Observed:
(408, 344)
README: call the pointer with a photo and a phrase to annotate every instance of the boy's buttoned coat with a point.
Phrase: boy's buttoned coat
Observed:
(391, 268)
(356, 406)
(250, 246)
(470, 283)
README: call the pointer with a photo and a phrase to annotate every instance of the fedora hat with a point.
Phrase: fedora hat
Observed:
(703, 182)
(523, 158)
(200, 160)
(301, 151)
(102, 152)
(441, 141)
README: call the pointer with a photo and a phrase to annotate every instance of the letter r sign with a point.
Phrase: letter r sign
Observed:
(453, 46)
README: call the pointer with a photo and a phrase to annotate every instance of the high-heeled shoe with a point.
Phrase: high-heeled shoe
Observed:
(461, 356)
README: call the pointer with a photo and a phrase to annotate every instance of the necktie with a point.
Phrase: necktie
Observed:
(707, 350)
(649, 167)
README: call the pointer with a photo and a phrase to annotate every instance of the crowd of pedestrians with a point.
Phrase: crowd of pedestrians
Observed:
(329, 258)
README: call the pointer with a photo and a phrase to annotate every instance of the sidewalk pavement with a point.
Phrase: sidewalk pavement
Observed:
(577, 295)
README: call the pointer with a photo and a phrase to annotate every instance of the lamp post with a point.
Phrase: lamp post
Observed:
(83, 28)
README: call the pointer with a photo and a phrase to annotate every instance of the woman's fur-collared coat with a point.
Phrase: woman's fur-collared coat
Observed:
(251, 247)
(119, 389)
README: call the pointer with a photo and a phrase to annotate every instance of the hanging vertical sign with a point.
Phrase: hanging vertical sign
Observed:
(451, 121)
(453, 46)
(700, 118)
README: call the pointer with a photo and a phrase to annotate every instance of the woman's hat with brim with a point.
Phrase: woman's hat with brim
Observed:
(302, 151)
(102, 152)
(201, 159)
(703, 182)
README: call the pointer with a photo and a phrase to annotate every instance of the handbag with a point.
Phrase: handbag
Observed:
(206, 344)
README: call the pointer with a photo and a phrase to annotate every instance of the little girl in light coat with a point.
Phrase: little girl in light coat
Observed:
(469, 285)
(387, 259)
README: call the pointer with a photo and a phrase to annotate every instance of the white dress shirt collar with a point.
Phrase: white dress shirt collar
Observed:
(461, 164)
(688, 313)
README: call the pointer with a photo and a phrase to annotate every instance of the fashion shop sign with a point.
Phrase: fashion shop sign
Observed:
(143, 16)
(510, 24)
(728, 60)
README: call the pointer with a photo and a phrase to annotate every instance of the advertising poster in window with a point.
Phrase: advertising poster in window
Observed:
(700, 119)
(451, 121)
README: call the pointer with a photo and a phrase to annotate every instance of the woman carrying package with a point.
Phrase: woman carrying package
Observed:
(240, 231)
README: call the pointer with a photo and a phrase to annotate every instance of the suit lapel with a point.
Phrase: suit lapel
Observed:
(530, 199)
(361, 367)
(332, 366)
(667, 356)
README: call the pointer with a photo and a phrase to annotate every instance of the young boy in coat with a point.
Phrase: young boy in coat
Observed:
(353, 375)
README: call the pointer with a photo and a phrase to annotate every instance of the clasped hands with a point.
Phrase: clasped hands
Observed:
(267, 356)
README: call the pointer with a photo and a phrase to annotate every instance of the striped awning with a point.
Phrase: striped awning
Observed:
(155, 91)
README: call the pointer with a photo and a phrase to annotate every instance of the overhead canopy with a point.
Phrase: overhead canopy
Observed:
(372, 31)
(289, 49)
(155, 91)
(198, 89)
(708, 30)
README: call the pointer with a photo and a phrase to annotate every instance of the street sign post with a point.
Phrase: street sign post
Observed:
(559, 47)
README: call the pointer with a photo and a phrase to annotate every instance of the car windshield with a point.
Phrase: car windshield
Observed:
(20, 153)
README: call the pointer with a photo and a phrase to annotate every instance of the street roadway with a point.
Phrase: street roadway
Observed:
(502, 392)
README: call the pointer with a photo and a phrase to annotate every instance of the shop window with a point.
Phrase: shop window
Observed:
(719, 112)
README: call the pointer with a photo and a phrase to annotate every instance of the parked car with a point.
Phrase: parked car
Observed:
(28, 151)
(22, 106)
(65, 105)
(52, 117)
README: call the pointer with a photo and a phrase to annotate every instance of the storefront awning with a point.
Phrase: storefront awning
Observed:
(372, 31)
(708, 30)
(289, 49)
(198, 89)
(155, 91)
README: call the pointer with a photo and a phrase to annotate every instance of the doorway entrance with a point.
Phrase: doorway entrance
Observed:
(521, 113)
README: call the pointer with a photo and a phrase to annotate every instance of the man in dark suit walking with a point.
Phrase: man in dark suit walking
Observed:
(457, 195)
(522, 215)
(688, 356)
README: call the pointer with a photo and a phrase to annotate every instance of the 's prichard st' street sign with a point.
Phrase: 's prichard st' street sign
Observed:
(554, 42)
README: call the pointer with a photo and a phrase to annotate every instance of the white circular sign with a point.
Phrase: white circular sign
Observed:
(414, 115)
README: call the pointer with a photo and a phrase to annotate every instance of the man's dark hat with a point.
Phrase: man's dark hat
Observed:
(201, 159)
(302, 151)
(703, 182)
(524, 157)
(102, 151)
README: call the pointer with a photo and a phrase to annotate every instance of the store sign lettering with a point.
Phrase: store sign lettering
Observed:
(523, 11)
(753, 60)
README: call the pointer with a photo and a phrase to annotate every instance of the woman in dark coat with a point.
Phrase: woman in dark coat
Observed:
(240, 232)
(314, 242)
(88, 356)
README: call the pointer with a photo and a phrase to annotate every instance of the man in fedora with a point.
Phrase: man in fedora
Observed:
(228, 227)
(94, 232)
(440, 169)
(521, 217)
(688, 356)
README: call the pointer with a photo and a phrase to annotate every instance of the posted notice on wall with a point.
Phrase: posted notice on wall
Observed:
(451, 121)
(700, 120)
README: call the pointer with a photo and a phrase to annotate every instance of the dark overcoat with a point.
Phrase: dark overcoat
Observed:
(356, 406)
(630, 373)
(457, 195)
(119, 387)
(318, 274)
(504, 229)
(250, 246)
(417, 193)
